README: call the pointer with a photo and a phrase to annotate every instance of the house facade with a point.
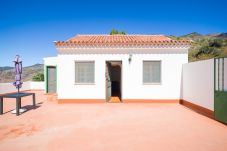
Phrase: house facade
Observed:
(132, 68)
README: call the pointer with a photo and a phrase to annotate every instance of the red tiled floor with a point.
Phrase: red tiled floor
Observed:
(108, 126)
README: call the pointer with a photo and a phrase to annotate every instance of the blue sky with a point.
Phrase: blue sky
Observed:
(29, 27)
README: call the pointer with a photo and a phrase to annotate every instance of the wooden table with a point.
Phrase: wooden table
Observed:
(18, 97)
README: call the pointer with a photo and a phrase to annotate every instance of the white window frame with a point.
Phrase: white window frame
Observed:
(152, 83)
(84, 83)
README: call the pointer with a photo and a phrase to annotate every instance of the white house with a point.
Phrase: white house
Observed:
(131, 68)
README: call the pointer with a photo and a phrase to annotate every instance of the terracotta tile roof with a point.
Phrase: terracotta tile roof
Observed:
(120, 40)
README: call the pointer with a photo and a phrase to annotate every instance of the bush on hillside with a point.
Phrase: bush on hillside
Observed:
(38, 77)
(206, 48)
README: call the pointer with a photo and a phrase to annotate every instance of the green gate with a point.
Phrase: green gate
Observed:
(220, 89)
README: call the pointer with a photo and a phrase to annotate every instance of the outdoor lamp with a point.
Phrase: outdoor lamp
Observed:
(130, 58)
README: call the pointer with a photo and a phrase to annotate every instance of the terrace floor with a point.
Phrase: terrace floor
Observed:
(108, 126)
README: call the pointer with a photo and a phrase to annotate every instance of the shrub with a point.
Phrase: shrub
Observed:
(215, 43)
(38, 77)
(114, 31)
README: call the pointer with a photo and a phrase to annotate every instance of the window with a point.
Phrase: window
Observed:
(84, 72)
(151, 72)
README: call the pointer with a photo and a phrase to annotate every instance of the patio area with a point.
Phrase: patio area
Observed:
(108, 126)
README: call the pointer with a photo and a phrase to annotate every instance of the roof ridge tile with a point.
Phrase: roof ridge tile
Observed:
(132, 39)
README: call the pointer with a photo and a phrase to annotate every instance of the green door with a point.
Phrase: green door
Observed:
(220, 89)
(51, 79)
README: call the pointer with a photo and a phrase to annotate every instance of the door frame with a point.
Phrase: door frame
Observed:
(46, 76)
(219, 93)
(121, 85)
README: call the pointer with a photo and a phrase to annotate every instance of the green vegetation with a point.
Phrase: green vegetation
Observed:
(114, 32)
(38, 77)
(205, 46)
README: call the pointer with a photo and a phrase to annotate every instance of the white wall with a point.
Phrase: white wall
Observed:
(9, 87)
(132, 84)
(198, 83)
(171, 67)
(50, 61)
(37, 85)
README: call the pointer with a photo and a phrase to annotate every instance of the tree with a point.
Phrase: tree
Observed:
(114, 32)
(38, 77)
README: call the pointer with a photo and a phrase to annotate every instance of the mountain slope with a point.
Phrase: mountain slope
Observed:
(7, 73)
(5, 68)
(205, 46)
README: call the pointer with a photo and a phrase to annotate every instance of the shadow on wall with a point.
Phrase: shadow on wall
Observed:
(181, 83)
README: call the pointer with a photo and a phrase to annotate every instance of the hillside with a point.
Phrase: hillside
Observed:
(7, 73)
(205, 46)
(5, 68)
